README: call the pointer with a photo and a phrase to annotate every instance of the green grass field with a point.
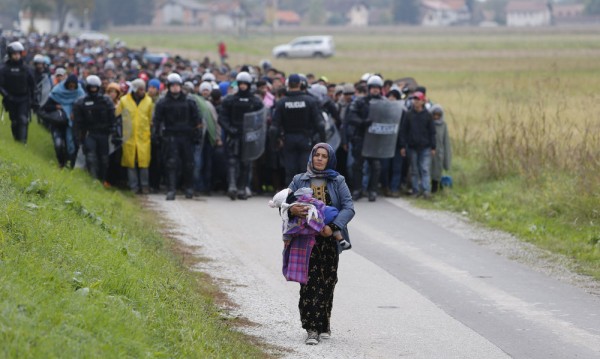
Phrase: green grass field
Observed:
(86, 273)
(521, 106)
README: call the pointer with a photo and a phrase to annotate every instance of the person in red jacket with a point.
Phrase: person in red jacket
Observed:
(222, 52)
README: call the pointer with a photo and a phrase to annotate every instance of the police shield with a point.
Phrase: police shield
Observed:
(382, 135)
(43, 89)
(334, 139)
(255, 135)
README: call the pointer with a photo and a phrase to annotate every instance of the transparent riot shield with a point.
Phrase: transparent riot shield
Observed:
(382, 135)
(334, 139)
(255, 135)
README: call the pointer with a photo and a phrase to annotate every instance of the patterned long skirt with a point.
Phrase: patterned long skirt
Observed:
(316, 296)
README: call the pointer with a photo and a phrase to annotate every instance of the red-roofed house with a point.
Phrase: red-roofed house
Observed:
(444, 12)
(568, 13)
(528, 13)
(288, 17)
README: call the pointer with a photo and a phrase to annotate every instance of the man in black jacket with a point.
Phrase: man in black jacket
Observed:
(17, 88)
(95, 121)
(178, 124)
(231, 119)
(298, 120)
(418, 136)
(357, 123)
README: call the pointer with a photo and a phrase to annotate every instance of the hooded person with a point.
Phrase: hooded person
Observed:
(443, 155)
(154, 89)
(113, 90)
(136, 110)
(329, 187)
(62, 98)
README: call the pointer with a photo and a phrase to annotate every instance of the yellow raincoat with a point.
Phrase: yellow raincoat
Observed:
(137, 120)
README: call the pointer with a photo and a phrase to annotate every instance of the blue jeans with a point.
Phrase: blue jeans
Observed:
(420, 164)
(396, 178)
(197, 176)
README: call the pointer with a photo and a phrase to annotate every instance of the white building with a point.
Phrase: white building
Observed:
(358, 15)
(528, 14)
(444, 12)
(215, 15)
(181, 12)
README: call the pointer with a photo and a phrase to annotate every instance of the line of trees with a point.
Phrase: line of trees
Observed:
(102, 13)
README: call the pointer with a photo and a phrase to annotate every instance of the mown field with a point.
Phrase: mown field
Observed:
(86, 273)
(522, 109)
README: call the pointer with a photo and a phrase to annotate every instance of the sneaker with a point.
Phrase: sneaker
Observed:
(312, 338)
(427, 195)
(232, 194)
(356, 195)
(345, 246)
(145, 190)
(395, 194)
(189, 194)
(171, 196)
(326, 335)
(242, 195)
(372, 196)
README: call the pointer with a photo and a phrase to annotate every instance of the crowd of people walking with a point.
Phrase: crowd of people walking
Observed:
(173, 124)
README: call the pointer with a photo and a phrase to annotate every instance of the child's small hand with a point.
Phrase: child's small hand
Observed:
(299, 210)
(286, 243)
(326, 231)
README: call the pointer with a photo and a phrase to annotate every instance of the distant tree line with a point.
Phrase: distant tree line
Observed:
(104, 13)
(101, 13)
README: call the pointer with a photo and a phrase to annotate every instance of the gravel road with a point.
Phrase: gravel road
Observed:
(396, 296)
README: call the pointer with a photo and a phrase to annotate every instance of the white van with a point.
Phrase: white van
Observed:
(306, 46)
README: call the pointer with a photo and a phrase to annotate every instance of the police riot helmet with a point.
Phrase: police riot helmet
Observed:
(244, 77)
(39, 59)
(189, 86)
(15, 47)
(375, 81)
(91, 82)
(208, 77)
(319, 91)
(365, 76)
(174, 79)
(303, 82)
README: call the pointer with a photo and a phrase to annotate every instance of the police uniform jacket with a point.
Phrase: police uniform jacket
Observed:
(16, 82)
(298, 113)
(233, 109)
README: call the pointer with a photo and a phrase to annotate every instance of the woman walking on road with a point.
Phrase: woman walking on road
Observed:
(316, 296)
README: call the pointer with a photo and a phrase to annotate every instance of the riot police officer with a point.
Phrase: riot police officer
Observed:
(357, 124)
(43, 82)
(178, 123)
(231, 120)
(17, 88)
(94, 121)
(2, 44)
(298, 120)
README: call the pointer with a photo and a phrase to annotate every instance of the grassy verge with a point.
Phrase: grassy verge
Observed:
(86, 273)
(548, 211)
